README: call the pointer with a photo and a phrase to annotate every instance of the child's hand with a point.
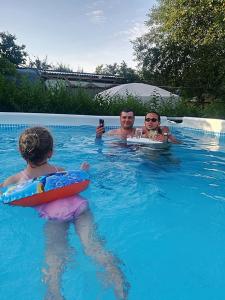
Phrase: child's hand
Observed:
(85, 166)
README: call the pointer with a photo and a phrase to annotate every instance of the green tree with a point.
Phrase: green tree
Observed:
(129, 74)
(99, 69)
(108, 69)
(122, 70)
(40, 63)
(6, 67)
(10, 50)
(60, 67)
(43, 64)
(185, 46)
(199, 22)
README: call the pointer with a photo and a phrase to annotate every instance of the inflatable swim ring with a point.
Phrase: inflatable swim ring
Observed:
(46, 188)
(147, 142)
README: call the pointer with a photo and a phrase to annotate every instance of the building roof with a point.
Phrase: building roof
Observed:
(51, 74)
(72, 79)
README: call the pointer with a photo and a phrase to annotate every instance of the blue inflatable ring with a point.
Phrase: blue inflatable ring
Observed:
(47, 188)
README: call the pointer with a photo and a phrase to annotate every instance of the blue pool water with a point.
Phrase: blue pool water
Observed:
(161, 213)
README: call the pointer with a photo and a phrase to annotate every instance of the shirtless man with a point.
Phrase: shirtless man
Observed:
(154, 131)
(126, 126)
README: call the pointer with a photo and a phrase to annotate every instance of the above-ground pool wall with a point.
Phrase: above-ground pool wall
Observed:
(209, 125)
(31, 119)
(65, 120)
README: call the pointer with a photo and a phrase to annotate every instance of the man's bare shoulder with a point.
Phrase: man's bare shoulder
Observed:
(114, 132)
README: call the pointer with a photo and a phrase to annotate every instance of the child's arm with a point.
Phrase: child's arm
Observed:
(11, 180)
(59, 169)
(85, 166)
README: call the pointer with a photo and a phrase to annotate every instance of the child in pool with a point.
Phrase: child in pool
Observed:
(36, 147)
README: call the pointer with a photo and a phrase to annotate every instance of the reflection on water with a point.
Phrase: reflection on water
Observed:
(204, 142)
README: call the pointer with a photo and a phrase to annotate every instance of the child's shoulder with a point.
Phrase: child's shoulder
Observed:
(58, 169)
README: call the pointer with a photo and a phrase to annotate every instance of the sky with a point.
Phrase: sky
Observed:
(81, 34)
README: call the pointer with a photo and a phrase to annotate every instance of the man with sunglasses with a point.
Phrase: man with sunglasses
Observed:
(127, 118)
(154, 131)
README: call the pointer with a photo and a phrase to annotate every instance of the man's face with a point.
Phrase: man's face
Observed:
(152, 121)
(127, 120)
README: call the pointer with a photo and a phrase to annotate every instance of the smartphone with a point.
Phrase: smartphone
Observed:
(101, 123)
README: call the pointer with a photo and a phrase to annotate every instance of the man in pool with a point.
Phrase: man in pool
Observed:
(154, 131)
(127, 118)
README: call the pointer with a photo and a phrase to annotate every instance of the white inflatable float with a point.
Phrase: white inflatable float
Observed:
(148, 143)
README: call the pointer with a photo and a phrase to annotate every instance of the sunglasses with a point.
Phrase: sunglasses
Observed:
(152, 120)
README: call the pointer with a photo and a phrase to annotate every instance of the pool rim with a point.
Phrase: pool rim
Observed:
(205, 125)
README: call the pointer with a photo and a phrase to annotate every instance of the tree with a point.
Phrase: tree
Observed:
(108, 69)
(129, 74)
(6, 67)
(10, 50)
(99, 69)
(43, 64)
(185, 46)
(60, 67)
(199, 22)
(40, 64)
(121, 70)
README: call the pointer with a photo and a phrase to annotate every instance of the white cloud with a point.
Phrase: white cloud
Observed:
(96, 3)
(96, 16)
(137, 30)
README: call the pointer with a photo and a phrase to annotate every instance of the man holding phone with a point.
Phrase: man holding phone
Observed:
(127, 118)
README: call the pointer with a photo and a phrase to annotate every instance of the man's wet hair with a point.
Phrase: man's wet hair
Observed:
(126, 110)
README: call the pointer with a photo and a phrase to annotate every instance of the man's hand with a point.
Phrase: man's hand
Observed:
(99, 131)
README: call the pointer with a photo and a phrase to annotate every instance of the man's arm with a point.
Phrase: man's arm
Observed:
(101, 130)
(171, 138)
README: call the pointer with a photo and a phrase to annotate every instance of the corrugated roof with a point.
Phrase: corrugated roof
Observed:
(81, 74)
(72, 76)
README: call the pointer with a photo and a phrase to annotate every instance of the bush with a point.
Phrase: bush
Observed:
(21, 95)
(215, 110)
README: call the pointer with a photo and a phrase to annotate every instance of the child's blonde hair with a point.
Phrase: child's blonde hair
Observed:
(35, 144)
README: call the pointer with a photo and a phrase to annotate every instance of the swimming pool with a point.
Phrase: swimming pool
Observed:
(161, 213)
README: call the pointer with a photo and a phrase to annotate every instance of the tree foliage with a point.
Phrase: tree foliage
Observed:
(60, 67)
(185, 46)
(10, 50)
(115, 69)
(6, 67)
(40, 63)
(43, 64)
(199, 22)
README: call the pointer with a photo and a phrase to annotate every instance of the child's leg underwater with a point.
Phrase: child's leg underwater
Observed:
(57, 254)
(93, 246)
